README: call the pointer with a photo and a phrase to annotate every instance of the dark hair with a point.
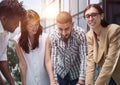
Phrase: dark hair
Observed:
(100, 10)
(23, 41)
(64, 17)
(10, 8)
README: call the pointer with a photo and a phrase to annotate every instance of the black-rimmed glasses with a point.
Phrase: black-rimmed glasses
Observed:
(87, 16)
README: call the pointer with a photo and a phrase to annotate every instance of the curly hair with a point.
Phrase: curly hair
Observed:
(11, 7)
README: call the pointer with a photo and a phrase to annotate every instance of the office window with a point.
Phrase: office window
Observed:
(112, 11)
(74, 6)
(65, 4)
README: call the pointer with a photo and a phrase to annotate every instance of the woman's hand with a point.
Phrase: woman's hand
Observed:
(81, 82)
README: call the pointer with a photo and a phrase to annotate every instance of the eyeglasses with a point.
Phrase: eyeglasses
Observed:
(87, 16)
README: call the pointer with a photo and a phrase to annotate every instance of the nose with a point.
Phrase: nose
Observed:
(63, 33)
(91, 17)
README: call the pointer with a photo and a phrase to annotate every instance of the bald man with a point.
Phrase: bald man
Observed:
(68, 51)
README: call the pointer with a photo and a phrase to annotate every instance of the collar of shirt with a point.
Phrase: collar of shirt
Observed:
(3, 33)
(1, 28)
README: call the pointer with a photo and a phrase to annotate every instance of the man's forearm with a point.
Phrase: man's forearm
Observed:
(6, 72)
(1, 81)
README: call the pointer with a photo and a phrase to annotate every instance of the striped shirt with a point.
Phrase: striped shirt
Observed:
(69, 57)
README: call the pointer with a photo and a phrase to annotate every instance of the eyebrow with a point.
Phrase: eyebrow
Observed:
(92, 13)
(64, 28)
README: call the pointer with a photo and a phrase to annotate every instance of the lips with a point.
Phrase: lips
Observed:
(92, 23)
(34, 31)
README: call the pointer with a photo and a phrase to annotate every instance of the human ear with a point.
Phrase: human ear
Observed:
(3, 19)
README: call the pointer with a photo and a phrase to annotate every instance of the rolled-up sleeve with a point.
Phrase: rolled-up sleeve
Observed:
(83, 55)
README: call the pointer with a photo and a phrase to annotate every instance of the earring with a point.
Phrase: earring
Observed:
(101, 18)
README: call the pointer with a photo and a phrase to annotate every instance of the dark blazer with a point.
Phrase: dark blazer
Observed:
(106, 55)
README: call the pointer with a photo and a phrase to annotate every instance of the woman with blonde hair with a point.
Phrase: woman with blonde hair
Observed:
(30, 47)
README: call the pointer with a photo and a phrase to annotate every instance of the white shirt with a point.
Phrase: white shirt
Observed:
(36, 72)
(4, 37)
